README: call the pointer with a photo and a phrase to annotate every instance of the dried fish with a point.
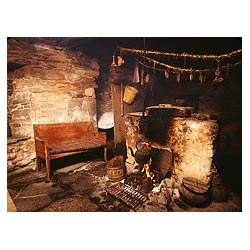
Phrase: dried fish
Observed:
(136, 77)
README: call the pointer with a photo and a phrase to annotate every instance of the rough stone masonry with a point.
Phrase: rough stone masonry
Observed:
(49, 85)
(192, 142)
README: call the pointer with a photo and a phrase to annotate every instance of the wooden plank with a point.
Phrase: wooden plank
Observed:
(119, 129)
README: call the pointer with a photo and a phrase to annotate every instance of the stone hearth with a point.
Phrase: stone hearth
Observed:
(82, 187)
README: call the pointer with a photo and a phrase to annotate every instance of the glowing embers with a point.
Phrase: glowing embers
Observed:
(141, 178)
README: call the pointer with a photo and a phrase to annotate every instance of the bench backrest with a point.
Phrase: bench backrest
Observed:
(63, 132)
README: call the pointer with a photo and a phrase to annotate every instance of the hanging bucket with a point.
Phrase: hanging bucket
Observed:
(129, 94)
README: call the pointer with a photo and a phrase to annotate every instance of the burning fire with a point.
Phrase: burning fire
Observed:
(146, 168)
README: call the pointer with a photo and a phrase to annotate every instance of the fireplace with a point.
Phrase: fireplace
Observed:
(159, 150)
(178, 145)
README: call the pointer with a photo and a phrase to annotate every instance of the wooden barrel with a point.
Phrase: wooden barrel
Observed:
(194, 192)
(115, 168)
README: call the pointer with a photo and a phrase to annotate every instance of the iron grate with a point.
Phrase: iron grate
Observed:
(127, 194)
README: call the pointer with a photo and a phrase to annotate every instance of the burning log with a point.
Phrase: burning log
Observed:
(133, 179)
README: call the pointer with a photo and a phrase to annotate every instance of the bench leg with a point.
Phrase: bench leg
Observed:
(47, 162)
(38, 163)
(105, 154)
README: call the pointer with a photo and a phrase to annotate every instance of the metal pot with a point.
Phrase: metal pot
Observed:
(143, 153)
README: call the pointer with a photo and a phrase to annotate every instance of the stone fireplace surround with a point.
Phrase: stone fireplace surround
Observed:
(191, 140)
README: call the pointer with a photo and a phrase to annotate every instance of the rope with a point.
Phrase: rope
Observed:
(215, 57)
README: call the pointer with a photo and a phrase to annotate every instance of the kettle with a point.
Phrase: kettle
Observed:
(143, 153)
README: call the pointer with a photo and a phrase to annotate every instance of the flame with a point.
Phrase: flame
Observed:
(146, 168)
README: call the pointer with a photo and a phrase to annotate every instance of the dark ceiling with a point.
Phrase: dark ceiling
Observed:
(103, 48)
(96, 46)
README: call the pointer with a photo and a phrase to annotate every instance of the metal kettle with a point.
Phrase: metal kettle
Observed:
(143, 153)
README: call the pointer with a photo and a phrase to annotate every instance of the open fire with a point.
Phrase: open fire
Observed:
(146, 168)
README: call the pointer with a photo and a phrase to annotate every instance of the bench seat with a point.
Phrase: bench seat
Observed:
(63, 139)
(77, 146)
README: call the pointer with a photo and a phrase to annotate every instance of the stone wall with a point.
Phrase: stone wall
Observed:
(192, 141)
(103, 92)
(160, 119)
(20, 151)
(224, 100)
(49, 85)
(134, 125)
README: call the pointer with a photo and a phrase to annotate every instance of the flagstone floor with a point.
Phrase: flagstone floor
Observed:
(82, 187)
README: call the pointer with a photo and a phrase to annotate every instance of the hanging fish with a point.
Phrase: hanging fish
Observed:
(217, 72)
(166, 74)
(178, 77)
(218, 78)
(201, 78)
(147, 78)
(136, 77)
(204, 78)
(142, 76)
(191, 76)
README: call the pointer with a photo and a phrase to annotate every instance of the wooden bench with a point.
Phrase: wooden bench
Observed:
(63, 139)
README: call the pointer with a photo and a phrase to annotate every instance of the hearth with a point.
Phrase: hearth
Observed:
(169, 142)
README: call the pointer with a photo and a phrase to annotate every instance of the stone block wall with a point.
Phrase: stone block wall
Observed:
(192, 141)
(160, 119)
(224, 101)
(20, 151)
(134, 125)
(49, 85)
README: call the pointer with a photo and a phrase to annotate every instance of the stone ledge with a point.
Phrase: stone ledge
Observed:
(15, 139)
